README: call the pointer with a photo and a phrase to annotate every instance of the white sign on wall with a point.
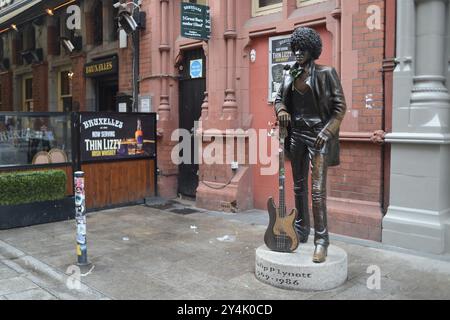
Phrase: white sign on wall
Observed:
(280, 55)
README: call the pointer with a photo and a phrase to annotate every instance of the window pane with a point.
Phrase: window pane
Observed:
(263, 3)
(22, 137)
(28, 89)
(66, 83)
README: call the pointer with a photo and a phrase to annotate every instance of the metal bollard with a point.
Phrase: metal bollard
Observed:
(80, 216)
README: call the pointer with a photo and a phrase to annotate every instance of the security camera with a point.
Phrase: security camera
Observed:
(127, 22)
(68, 45)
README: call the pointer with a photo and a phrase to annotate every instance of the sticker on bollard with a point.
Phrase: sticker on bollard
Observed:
(80, 218)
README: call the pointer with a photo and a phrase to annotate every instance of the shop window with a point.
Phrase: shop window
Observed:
(29, 139)
(98, 23)
(262, 7)
(1, 97)
(65, 91)
(302, 3)
(27, 94)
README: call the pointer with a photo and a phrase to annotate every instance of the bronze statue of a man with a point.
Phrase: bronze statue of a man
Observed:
(311, 104)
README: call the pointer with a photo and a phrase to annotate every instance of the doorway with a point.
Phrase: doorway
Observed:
(192, 88)
(107, 94)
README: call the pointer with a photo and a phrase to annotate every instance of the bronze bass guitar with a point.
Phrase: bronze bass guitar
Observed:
(281, 235)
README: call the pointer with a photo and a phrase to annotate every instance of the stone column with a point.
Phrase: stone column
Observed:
(229, 108)
(164, 49)
(167, 111)
(419, 213)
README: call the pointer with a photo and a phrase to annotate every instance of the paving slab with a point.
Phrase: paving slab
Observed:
(33, 294)
(17, 284)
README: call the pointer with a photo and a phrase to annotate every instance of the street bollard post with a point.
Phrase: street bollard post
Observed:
(80, 216)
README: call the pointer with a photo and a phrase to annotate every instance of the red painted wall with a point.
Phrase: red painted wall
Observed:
(266, 186)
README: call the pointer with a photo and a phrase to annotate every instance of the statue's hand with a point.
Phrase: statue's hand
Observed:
(284, 118)
(323, 137)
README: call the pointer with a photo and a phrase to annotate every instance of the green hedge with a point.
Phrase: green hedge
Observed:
(32, 186)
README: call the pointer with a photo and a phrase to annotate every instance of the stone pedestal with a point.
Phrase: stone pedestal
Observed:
(296, 271)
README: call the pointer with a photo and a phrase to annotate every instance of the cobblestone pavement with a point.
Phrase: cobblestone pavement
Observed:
(145, 253)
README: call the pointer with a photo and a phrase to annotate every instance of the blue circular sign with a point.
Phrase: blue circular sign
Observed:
(196, 68)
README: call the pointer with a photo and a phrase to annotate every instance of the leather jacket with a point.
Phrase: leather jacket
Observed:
(329, 100)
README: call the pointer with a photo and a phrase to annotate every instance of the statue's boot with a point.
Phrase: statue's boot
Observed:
(320, 253)
(302, 224)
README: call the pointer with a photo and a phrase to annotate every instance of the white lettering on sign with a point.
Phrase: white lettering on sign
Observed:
(194, 8)
(100, 145)
(102, 122)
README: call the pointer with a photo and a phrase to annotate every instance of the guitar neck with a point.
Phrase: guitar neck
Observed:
(281, 179)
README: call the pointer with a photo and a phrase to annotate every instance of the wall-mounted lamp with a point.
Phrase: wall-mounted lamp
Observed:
(67, 44)
(73, 44)
(127, 17)
(50, 12)
(127, 22)
(32, 56)
(14, 27)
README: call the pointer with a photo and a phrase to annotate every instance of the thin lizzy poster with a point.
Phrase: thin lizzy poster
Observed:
(110, 136)
(280, 54)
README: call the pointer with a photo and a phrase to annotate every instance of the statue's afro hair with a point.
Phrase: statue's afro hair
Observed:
(307, 39)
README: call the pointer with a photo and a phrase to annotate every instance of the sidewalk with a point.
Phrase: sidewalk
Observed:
(146, 253)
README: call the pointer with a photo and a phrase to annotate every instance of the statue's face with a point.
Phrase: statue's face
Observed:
(302, 57)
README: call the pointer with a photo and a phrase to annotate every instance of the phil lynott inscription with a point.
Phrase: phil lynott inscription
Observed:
(310, 104)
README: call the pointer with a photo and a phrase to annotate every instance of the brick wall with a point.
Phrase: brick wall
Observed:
(52, 41)
(125, 68)
(40, 87)
(6, 91)
(78, 82)
(360, 174)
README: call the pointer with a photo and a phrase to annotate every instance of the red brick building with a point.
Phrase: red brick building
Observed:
(359, 42)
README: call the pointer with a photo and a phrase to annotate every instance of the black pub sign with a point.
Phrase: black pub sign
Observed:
(102, 67)
(117, 136)
(195, 21)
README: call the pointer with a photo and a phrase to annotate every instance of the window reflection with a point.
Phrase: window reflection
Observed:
(30, 139)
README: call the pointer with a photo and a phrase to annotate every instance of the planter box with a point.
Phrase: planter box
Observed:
(24, 215)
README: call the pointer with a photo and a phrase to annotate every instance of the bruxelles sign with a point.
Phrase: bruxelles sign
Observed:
(101, 68)
(109, 136)
(195, 21)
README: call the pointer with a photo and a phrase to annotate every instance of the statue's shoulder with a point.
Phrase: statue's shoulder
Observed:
(324, 69)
